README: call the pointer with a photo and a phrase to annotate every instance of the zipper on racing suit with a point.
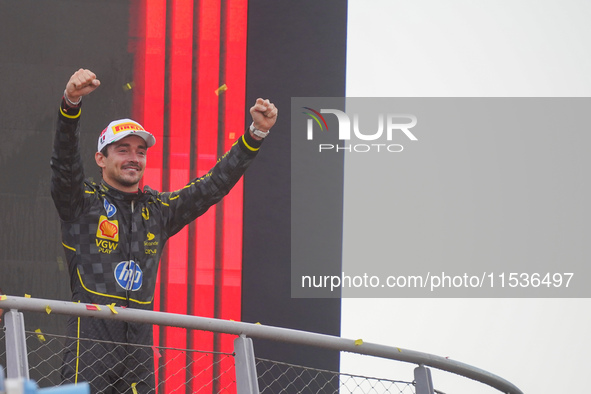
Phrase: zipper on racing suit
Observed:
(129, 257)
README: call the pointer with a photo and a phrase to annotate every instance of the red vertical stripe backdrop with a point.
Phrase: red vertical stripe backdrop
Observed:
(149, 21)
(208, 59)
(148, 35)
(235, 75)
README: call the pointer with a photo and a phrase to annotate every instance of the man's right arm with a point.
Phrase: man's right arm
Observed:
(67, 180)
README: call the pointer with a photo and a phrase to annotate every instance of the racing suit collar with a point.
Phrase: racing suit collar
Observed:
(118, 194)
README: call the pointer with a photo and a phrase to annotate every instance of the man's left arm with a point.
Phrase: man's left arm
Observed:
(186, 204)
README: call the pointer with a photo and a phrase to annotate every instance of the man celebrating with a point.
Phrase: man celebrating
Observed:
(105, 228)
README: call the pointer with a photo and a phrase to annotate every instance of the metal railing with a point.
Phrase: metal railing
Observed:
(252, 375)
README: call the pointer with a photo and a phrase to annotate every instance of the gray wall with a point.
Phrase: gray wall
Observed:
(294, 50)
(41, 44)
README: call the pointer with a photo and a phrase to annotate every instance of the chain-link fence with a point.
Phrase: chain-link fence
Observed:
(200, 371)
(45, 352)
(279, 377)
(190, 370)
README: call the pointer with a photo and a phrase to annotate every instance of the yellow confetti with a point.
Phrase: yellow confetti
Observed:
(399, 349)
(27, 296)
(40, 335)
(258, 323)
(133, 388)
(48, 309)
(221, 89)
(112, 308)
(2, 297)
(128, 86)
(359, 342)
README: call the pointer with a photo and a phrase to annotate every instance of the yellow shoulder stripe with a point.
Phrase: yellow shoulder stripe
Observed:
(163, 203)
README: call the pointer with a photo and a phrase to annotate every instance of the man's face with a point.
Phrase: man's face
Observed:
(124, 165)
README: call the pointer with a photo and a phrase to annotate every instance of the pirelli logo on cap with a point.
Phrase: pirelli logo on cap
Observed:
(108, 229)
(126, 126)
(118, 129)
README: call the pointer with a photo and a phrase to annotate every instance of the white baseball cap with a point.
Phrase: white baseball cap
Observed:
(121, 128)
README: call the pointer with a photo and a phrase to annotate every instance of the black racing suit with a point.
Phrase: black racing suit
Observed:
(113, 241)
